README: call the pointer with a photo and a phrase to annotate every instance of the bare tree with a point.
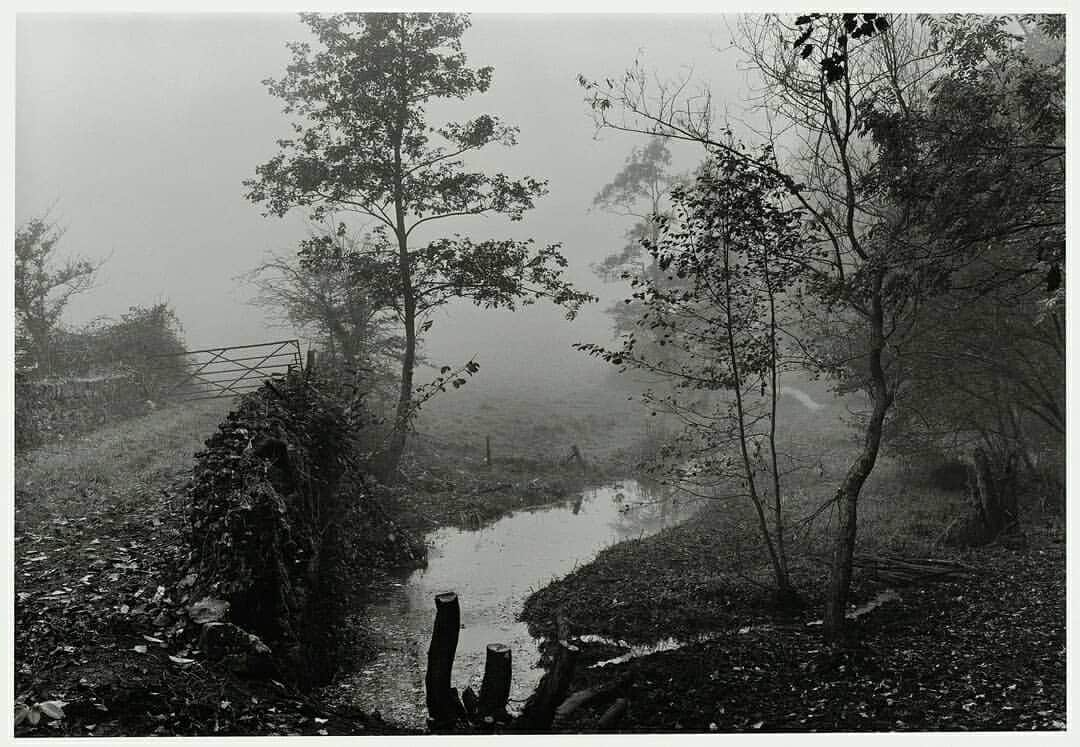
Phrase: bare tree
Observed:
(335, 291)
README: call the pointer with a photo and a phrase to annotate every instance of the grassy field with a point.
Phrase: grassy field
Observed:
(537, 423)
(121, 464)
(533, 433)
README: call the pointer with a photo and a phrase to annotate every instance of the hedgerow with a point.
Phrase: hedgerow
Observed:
(283, 527)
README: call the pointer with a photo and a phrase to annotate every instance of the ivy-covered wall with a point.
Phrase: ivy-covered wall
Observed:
(283, 527)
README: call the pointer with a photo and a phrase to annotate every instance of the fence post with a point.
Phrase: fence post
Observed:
(311, 359)
(487, 450)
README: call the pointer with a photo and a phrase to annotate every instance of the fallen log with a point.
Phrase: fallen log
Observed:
(576, 700)
(539, 711)
(613, 715)
(907, 571)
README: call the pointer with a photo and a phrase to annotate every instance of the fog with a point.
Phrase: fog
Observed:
(137, 131)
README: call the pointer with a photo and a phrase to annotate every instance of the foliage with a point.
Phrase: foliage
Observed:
(43, 287)
(276, 506)
(878, 271)
(53, 709)
(337, 293)
(979, 171)
(104, 372)
(364, 144)
(844, 28)
(101, 596)
(726, 253)
(638, 191)
(982, 162)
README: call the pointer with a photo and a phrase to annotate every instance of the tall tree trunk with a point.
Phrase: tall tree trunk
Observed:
(847, 495)
(783, 584)
(396, 447)
(388, 472)
(786, 594)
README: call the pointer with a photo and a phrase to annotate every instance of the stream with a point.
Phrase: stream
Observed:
(493, 570)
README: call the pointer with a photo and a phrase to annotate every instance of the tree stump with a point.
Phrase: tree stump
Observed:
(442, 700)
(993, 499)
(495, 687)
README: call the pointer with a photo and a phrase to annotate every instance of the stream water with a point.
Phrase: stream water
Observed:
(493, 570)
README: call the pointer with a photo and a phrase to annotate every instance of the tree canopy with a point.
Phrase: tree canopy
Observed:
(363, 143)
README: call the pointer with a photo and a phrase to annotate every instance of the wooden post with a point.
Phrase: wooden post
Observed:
(311, 357)
(576, 452)
(487, 450)
(441, 698)
(495, 688)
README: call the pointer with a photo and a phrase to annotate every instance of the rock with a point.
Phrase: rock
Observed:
(208, 610)
(243, 652)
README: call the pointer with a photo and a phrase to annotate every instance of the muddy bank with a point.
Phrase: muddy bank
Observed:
(493, 570)
(695, 646)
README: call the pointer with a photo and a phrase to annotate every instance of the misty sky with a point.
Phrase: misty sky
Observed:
(138, 130)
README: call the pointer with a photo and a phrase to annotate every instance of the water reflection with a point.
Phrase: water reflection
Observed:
(493, 570)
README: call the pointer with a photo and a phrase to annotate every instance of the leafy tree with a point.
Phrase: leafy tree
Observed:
(363, 143)
(873, 271)
(725, 255)
(43, 286)
(982, 162)
(980, 171)
(640, 191)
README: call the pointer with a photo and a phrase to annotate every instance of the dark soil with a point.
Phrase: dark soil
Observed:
(99, 612)
(986, 652)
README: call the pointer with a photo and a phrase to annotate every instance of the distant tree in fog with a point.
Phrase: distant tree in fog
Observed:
(363, 143)
(642, 191)
(44, 285)
(338, 292)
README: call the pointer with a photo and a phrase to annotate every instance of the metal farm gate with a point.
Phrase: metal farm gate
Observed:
(220, 372)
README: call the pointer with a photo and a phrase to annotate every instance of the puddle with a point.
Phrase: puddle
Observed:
(493, 570)
(884, 597)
